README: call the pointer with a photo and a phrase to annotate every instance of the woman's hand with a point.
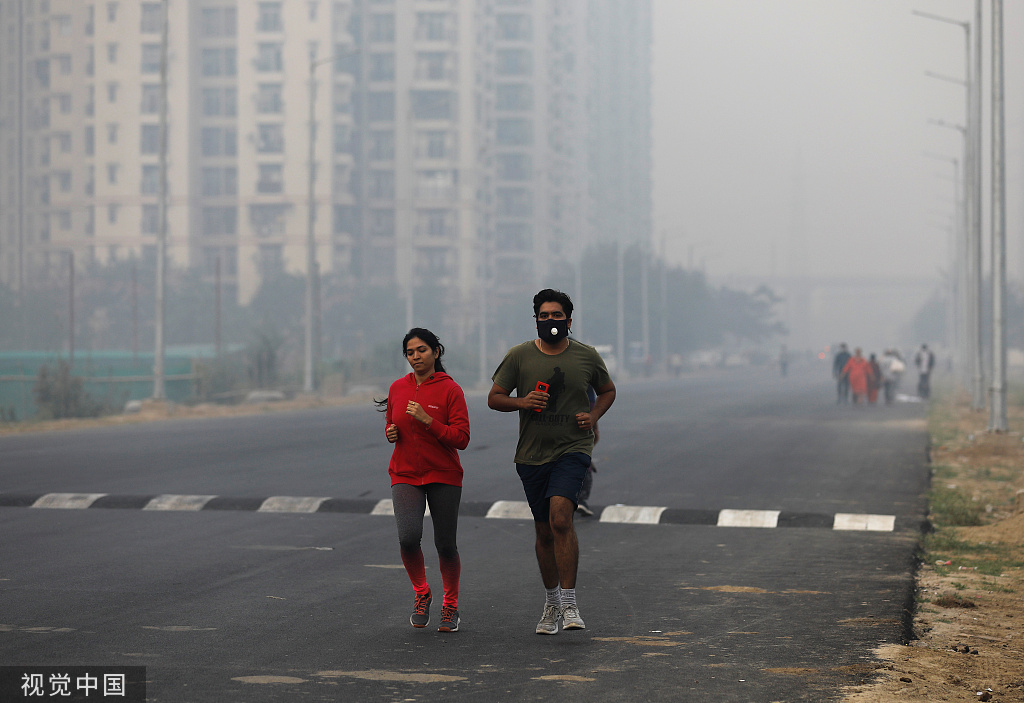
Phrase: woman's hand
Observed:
(416, 411)
(391, 432)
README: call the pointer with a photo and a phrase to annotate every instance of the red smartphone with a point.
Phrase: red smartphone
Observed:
(543, 388)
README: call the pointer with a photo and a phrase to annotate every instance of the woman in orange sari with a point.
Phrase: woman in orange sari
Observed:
(858, 370)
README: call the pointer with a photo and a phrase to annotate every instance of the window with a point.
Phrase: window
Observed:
(150, 99)
(90, 140)
(150, 180)
(112, 211)
(271, 178)
(382, 67)
(219, 22)
(382, 28)
(382, 223)
(268, 98)
(268, 220)
(269, 57)
(382, 184)
(382, 145)
(64, 142)
(112, 89)
(63, 181)
(270, 138)
(514, 167)
(342, 139)
(435, 65)
(432, 261)
(112, 52)
(513, 236)
(112, 133)
(218, 62)
(514, 202)
(64, 103)
(434, 26)
(435, 144)
(517, 27)
(381, 106)
(269, 17)
(220, 181)
(150, 219)
(220, 102)
(63, 64)
(514, 132)
(152, 18)
(151, 58)
(513, 62)
(219, 141)
(218, 221)
(345, 219)
(112, 11)
(149, 137)
(225, 258)
(63, 219)
(514, 96)
(435, 223)
(271, 260)
(64, 26)
(433, 104)
(435, 183)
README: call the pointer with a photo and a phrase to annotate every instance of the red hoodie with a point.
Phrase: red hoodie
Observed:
(428, 454)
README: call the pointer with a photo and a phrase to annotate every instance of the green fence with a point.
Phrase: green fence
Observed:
(110, 376)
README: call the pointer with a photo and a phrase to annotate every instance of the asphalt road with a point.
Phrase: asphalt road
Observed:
(231, 604)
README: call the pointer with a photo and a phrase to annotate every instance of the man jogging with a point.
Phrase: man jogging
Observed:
(556, 438)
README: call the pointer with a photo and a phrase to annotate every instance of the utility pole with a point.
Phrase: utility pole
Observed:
(71, 307)
(161, 239)
(976, 279)
(997, 401)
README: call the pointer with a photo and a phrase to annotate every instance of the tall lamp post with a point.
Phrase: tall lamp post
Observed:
(972, 197)
(308, 377)
(957, 273)
(997, 406)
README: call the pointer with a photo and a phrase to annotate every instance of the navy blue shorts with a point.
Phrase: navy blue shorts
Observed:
(561, 477)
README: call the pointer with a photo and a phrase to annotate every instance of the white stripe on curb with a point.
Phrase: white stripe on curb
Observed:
(72, 501)
(870, 523)
(633, 514)
(175, 502)
(748, 518)
(291, 504)
(510, 510)
(387, 507)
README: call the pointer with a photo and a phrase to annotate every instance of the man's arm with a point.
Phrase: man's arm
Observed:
(500, 399)
(605, 398)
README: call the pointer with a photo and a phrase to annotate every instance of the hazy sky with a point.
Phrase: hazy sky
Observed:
(777, 121)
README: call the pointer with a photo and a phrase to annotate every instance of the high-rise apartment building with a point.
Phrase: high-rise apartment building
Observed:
(467, 144)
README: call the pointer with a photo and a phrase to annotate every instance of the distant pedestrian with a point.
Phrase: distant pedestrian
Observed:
(428, 422)
(875, 382)
(550, 375)
(858, 372)
(842, 380)
(925, 361)
(892, 369)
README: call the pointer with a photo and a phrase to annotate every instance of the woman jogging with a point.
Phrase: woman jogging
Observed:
(428, 422)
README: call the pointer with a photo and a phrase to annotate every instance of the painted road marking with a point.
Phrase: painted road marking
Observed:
(173, 502)
(291, 504)
(633, 514)
(510, 510)
(68, 501)
(870, 523)
(502, 509)
(748, 518)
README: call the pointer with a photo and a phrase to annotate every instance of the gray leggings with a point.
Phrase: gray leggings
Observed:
(410, 505)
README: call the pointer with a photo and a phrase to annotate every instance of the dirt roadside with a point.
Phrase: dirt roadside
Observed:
(969, 622)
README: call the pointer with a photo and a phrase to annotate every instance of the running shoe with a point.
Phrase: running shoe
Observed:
(449, 619)
(548, 624)
(571, 619)
(584, 509)
(421, 611)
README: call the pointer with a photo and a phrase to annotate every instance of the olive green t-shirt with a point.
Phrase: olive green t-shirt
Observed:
(545, 436)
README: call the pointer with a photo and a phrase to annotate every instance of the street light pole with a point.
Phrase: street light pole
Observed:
(308, 380)
(997, 402)
(159, 392)
(972, 197)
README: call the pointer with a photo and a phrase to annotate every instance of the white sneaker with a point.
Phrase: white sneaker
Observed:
(571, 619)
(548, 624)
